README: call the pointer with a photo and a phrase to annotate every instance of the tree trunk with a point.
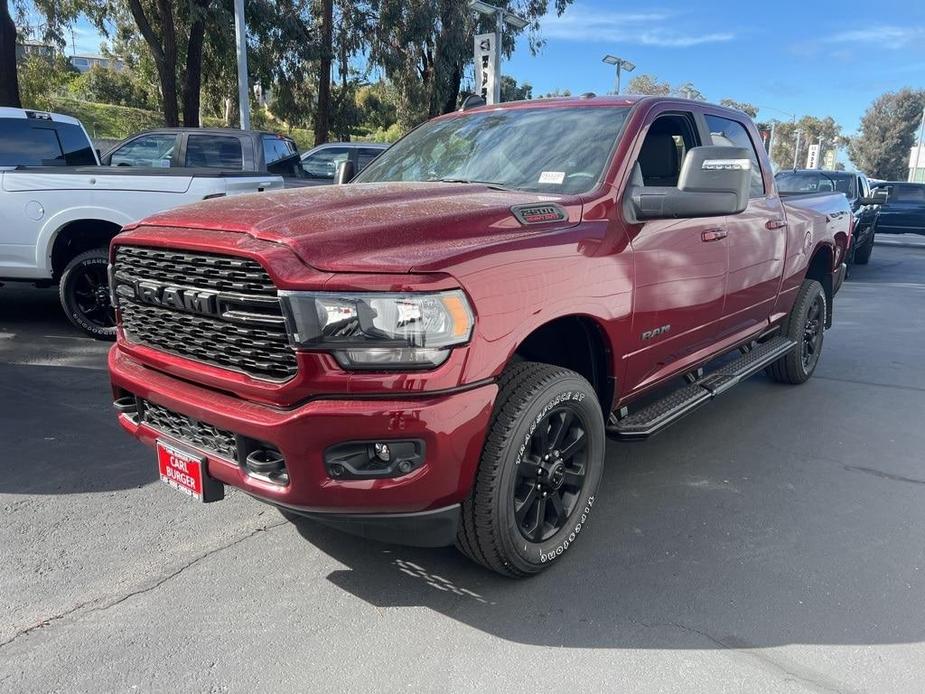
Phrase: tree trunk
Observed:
(163, 52)
(323, 115)
(9, 79)
(192, 85)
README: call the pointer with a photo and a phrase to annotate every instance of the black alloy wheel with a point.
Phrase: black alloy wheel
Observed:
(551, 477)
(85, 294)
(812, 333)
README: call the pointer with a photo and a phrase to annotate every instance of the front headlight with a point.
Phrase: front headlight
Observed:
(379, 330)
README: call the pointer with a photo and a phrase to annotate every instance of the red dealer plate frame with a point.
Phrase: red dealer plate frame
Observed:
(187, 473)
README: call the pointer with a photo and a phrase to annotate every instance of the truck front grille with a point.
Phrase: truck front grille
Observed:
(188, 430)
(219, 310)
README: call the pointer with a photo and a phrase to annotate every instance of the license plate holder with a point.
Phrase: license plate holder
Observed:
(187, 472)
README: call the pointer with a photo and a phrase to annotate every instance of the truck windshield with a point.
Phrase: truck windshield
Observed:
(550, 150)
(816, 182)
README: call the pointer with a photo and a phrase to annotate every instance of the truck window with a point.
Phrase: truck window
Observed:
(729, 133)
(155, 150)
(816, 182)
(663, 151)
(77, 148)
(366, 155)
(25, 143)
(213, 152)
(323, 163)
(907, 193)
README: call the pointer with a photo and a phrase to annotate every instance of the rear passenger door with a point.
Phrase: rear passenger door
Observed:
(757, 237)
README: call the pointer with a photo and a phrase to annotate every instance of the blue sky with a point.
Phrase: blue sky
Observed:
(821, 57)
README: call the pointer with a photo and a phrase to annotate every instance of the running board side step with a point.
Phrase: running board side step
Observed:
(660, 414)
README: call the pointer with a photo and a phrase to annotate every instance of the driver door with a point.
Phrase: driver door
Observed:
(681, 264)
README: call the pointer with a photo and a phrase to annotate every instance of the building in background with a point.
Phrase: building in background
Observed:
(82, 63)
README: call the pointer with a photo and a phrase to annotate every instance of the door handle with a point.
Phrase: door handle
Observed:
(773, 224)
(712, 235)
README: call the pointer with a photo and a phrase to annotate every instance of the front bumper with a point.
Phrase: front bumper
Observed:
(452, 426)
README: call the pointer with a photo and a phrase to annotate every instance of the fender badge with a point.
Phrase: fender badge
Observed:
(539, 214)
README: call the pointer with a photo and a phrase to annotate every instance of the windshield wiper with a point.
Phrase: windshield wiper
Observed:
(490, 184)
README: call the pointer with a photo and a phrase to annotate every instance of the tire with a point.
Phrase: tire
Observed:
(525, 510)
(84, 294)
(862, 253)
(806, 325)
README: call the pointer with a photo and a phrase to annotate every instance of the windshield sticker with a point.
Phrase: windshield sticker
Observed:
(553, 177)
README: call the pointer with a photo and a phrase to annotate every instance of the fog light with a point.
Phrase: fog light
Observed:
(364, 460)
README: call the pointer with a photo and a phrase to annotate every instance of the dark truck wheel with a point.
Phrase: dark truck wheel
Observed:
(539, 472)
(862, 253)
(806, 325)
(84, 293)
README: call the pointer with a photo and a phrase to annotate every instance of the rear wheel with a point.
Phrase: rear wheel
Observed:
(84, 294)
(539, 473)
(805, 325)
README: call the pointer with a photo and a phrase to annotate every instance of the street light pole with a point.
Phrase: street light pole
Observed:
(621, 65)
(796, 151)
(240, 36)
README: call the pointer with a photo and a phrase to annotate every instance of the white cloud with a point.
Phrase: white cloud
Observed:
(649, 28)
(888, 35)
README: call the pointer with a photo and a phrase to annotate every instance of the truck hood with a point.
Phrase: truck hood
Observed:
(375, 227)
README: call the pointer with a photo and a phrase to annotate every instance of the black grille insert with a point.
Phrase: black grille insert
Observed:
(190, 431)
(248, 332)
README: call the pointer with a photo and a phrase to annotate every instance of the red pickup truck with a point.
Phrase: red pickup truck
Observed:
(437, 352)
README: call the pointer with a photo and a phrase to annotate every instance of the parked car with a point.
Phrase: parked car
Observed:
(855, 187)
(903, 208)
(224, 149)
(60, 208)
(320, 164)
(435, 352)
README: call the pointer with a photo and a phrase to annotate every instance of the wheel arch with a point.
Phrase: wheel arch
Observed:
(577, 342)
(76, 236)
(821, 268)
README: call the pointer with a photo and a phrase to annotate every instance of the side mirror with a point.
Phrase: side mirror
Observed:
(345, 172)
(714, 182)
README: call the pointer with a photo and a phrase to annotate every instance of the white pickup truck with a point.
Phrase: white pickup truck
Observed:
(59, 208)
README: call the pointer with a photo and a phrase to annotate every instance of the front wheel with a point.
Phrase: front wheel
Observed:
(862, 253)
(539, 472)
(84, 294)
(806, 326)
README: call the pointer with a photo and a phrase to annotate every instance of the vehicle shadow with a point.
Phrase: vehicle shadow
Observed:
(60, 435)
(693, 544)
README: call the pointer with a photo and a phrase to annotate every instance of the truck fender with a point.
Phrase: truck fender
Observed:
(54, 224)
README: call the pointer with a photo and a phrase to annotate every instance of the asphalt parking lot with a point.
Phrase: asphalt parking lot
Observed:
(771, 542)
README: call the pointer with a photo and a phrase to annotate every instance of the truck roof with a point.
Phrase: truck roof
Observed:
(591, 100)
(28, 113)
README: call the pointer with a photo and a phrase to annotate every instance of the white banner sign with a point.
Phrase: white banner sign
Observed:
(485, 66)
(812, 157)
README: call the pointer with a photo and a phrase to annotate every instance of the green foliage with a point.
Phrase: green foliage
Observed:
(105, 85)
(42, 78)
(511, 91)
(105, 121)
(887, 132)
(812, 131)
(648, 84)
(750, 109)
